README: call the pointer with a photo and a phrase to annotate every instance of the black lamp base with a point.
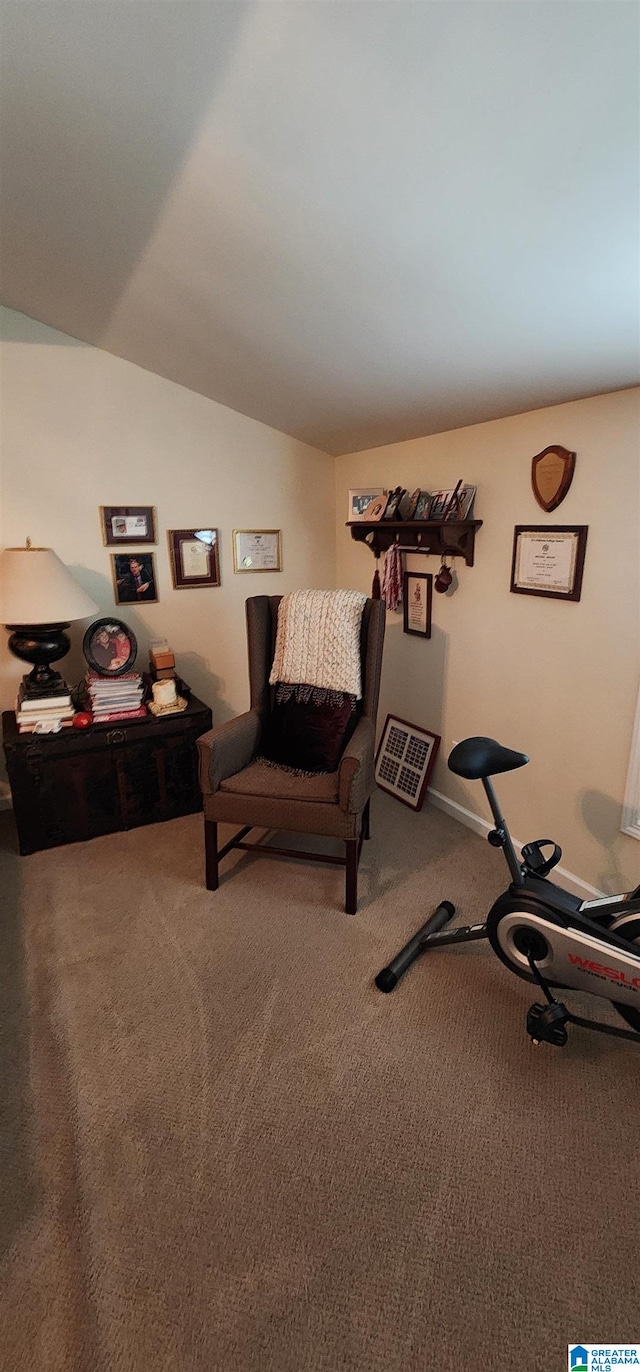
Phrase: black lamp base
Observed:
(40, 644)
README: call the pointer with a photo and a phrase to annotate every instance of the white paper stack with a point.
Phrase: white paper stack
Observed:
(116, 697)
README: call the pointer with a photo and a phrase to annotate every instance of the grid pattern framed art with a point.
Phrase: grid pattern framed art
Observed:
(405, 759)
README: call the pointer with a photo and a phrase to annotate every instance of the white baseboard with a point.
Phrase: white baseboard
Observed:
(482, 826)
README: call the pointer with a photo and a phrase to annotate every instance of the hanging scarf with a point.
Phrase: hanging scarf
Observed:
(392, 578)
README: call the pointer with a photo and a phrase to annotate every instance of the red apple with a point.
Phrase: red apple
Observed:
(82, 720)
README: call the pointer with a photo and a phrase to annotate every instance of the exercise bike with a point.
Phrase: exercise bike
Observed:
(538, 930)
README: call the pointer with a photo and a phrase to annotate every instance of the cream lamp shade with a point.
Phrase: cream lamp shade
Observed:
(37, 588)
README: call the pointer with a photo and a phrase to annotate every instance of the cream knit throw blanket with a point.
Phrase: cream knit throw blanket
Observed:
(318, 640)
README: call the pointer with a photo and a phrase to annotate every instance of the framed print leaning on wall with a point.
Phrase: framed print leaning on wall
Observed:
(404, 760)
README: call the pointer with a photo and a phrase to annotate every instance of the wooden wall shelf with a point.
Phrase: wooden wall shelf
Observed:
(444, 538)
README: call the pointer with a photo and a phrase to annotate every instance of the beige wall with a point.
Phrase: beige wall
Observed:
(82, 428)
(557, 680)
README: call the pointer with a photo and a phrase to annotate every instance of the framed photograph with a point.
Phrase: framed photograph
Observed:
(417, 594)
(454, 504)
(134, 578)
(376, 509)
(110, 647)
(124, 524)
(358, 501)
(257, 550)
(404, 760)
(423, 506)
(391, 511)
(548, 560)
(194, 555)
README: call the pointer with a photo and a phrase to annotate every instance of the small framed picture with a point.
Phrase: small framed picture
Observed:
(454, 504)
(195, 560)
(405, 759)
(548, 560)
(358, 501)
(257, 550)
(391, 511)
(123, 524)
(423, 506)
(134, 578)
(110, 647)
(417, 595)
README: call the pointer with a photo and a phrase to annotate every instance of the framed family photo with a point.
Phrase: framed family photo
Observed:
(110, 647)
(257, 550)
(360, 499)
(127, 524)
(134, 578)
(194, 555)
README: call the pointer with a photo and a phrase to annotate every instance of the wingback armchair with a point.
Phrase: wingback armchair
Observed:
(238, 788)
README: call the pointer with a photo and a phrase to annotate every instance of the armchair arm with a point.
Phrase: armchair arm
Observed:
(355, 772)
(228, 748)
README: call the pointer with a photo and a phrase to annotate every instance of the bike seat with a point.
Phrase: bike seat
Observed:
(475, 758)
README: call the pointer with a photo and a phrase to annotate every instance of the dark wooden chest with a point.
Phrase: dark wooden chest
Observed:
(82, 783)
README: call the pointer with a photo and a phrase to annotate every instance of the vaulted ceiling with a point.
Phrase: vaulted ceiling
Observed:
(357, 221)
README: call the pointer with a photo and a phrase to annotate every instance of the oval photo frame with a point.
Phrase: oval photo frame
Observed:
(110, 647)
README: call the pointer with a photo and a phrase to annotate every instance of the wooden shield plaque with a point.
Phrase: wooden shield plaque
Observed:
(551, 476)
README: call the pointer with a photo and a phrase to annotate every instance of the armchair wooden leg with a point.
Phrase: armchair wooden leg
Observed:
(211, 854)
(351, 894)
(365, 820)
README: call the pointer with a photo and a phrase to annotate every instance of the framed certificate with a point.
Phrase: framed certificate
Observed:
(194, 558)
(548, 560)
(417, 594)
(257, 550)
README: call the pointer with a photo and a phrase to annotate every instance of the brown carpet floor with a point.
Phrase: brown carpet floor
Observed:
(224, 1150)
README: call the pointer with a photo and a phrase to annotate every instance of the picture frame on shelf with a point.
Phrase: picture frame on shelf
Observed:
(194, 558)
(110, 647)
(257, 550)
(407, 506)
(454, 504)
(417, 598)
(134, 578)
(375, 510)
(405, 759)
(548, 560)
(359, 500)
(125, 525)
(391, 510)
(423, 506)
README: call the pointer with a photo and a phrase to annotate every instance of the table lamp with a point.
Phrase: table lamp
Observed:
(38, 599)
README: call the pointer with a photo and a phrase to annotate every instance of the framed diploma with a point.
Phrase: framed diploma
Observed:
(194, 558)
(257, 550)
(417, 594)
(548, 560)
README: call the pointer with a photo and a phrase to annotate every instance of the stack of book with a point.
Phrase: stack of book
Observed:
(49, 711)
(115, 697)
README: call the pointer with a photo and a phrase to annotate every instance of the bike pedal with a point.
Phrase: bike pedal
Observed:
(545, 1023)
